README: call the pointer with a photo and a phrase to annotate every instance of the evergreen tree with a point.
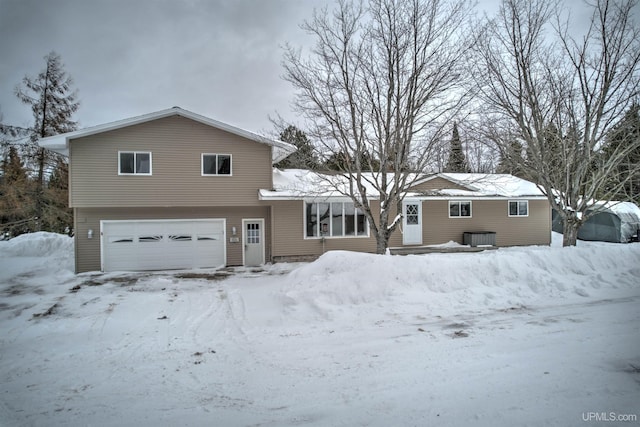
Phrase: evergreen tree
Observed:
(304, 157)
(17, 207)
(457, 161)
(511, 160)
(53, 103)
(57, 216)
(624, 180)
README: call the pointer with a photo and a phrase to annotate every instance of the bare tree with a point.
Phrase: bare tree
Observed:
(379, 88)
(559, 97)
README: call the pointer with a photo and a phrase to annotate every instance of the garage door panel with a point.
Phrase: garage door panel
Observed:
(162, 245)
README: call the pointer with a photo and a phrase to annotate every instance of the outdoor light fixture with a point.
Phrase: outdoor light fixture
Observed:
(233, 231)
(90, 234)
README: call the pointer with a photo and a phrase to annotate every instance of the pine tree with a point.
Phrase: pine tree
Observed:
(17, 207)
(457, 161)
(304, 157)
(53, 103)
(624, 180)
(57, 216)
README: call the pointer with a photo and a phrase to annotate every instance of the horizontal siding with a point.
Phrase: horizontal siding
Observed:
(88, 250)
(288, 235)
(487, 215)
(176, 144)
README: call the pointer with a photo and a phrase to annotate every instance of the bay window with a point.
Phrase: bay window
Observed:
(334, 219)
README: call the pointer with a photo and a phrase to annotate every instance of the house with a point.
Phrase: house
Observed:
(310, 217)
(176, 190)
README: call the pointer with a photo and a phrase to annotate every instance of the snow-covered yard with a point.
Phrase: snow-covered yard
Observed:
(520, 336)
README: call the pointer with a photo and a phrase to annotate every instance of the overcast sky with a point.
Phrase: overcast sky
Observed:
(218, 58)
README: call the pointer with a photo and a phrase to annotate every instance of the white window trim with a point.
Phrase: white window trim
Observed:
(215, 174)
(460, 201)
(329, 236)
(517, 201)
(135, 153)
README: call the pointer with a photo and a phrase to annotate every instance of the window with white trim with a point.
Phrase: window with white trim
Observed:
(134, 163)
(216, 164)
(460, 209)
(335, 219)
(518, 208)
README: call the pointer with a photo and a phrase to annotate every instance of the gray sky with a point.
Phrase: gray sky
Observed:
(218, 58)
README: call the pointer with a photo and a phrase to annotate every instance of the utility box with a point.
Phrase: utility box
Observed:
(479, 238)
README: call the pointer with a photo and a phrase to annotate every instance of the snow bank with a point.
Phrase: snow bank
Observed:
(38, 244)
(444, 283)
(39, 254)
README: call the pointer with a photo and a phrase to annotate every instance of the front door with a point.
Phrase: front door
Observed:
(412, 222)
(253, 238)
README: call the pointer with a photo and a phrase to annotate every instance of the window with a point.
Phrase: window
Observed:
(411, 214)
(460, 209)
(134, 163)
(216, 164)
(518, 208)
(335, 219)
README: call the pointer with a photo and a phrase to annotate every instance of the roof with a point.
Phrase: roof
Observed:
(486, 185)
(303, 184)
(60, 143)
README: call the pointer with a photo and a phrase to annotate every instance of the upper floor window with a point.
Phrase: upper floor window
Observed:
(335, 219)
(518, 208)
(134, 163)
(460, 209)
(216, 164)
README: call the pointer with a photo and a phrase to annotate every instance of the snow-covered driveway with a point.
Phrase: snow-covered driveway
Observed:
(526, 336)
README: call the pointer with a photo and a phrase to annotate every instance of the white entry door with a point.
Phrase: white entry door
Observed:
(253, 239)
(412, 222)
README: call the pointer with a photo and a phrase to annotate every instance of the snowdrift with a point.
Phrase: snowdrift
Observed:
(446, 282)
(38, 254)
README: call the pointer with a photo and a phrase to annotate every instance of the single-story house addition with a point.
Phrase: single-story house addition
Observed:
(176, 190)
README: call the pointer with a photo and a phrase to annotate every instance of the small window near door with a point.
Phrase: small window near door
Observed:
(412, 215)
(216, 164)
(518, 208)
(253, 233)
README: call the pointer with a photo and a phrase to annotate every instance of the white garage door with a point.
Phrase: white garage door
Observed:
(162, 244)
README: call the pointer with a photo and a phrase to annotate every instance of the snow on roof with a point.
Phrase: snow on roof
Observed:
(482, 184)
(60, 143)
(300, 183)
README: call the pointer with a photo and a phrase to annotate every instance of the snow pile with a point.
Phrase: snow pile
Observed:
(38, 244)
(37, 254)
(447, 283)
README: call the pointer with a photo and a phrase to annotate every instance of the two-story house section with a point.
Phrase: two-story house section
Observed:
(168, 190)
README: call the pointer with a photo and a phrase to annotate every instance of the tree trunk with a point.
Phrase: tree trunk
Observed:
(381, 243)
(570, 225)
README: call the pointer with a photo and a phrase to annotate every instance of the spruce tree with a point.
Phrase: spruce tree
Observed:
(17, 207)
(53, 103)
(457, 161)
(304, 157)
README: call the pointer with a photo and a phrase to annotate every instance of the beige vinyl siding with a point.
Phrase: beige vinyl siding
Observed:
(437, 227)
(88, 250)
(487, 215)
(176, 144)
(437, 184)
(288, 234)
